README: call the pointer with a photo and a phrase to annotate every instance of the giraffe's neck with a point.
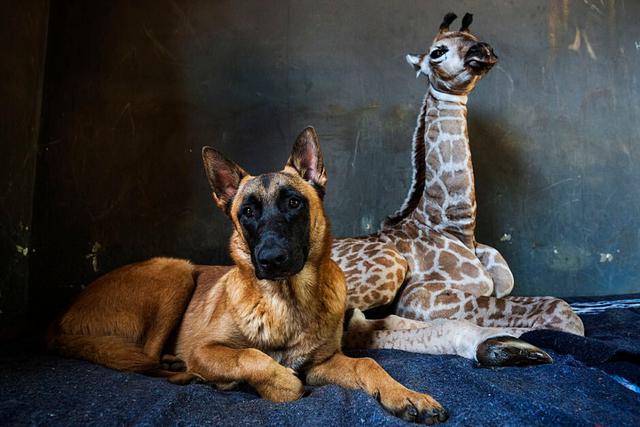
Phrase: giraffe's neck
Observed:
(448, 201)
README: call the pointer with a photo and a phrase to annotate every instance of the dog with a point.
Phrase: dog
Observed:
(273, 319)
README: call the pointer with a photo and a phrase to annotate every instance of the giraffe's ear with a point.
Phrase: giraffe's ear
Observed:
(306, 159)
(224, 177)
(415, 61)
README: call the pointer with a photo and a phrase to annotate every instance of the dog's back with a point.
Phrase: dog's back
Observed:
(123, 319)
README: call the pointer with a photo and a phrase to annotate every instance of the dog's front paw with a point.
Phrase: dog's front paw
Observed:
(281, 386)
(413, 406)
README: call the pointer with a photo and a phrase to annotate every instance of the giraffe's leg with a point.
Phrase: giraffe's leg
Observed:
(434, 300)
(374, 270)
(525, 312)
(497, 268)
(488, 346)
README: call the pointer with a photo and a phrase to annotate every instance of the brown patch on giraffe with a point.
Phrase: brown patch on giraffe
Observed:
(388, 286)
(446, 297)
(454, 274)
(495, 316)
(426, 262)
(452, 127)
(435, 287)
(457, 183)
(552, 307)
(373, 279)
(433, 132)
(517, 310)
(412, 232)
(385, 262)
(483, 302)
(370, 253)
(399, 275)
(437, 277)
(447, 261)
(391, 253)
(468, 307)
(403, 246)
(469, 269)
(500, 304)
(444, 314)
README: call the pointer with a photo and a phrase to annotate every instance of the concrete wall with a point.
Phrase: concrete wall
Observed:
(134, 89)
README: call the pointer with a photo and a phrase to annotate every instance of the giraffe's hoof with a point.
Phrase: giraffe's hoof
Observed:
(509, 351)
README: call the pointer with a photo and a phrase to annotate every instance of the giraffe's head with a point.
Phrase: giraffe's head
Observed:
(457, 60)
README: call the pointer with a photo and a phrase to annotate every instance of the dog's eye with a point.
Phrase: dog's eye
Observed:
(294, 203)
(438, 52)
(247, 211)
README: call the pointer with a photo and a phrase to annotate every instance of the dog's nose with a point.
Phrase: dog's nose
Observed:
(273, 257)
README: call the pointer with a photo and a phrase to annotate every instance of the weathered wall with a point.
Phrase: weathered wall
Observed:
(136, 88)
(23, 31)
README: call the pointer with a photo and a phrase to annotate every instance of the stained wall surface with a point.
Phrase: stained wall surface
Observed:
(23, 32)
(135, 89)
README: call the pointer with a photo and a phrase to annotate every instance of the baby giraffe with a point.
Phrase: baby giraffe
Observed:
(426, 255)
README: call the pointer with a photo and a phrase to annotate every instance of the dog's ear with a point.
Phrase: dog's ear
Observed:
(306, 159)
(224, 177)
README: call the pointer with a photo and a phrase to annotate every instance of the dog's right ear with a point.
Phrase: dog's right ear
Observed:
(224, 177)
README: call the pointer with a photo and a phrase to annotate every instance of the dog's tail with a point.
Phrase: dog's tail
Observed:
(111, 351)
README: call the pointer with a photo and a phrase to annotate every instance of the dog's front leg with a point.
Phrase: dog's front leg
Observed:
(221, 364)
(367, 375)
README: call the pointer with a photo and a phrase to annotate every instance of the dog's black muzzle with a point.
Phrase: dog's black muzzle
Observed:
(274, 258)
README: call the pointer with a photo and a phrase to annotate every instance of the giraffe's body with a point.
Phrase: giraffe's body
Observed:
(427, 251)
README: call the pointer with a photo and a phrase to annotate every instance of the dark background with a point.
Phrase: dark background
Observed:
(116, 98)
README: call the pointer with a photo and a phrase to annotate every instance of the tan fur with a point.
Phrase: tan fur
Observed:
(231, 326)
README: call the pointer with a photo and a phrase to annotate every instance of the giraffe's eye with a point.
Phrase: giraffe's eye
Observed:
(438, 52)
(247, 211)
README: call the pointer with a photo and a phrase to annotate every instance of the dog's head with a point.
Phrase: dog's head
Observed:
(278, 218)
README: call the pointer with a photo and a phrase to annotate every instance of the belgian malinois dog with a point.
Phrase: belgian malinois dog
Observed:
(272, 319)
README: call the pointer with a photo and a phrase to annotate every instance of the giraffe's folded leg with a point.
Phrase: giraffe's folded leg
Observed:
(497, 268)
(509, 351)
(490, 347)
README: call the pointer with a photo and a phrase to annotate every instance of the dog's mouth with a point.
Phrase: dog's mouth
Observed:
(276, 275)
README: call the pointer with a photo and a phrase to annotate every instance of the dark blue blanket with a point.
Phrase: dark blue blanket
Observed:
(42, 389)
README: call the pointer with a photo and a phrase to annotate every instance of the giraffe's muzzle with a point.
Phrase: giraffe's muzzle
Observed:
(480, 58)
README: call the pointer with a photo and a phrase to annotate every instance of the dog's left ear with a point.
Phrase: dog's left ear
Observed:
(306, 159)
(224, 177)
